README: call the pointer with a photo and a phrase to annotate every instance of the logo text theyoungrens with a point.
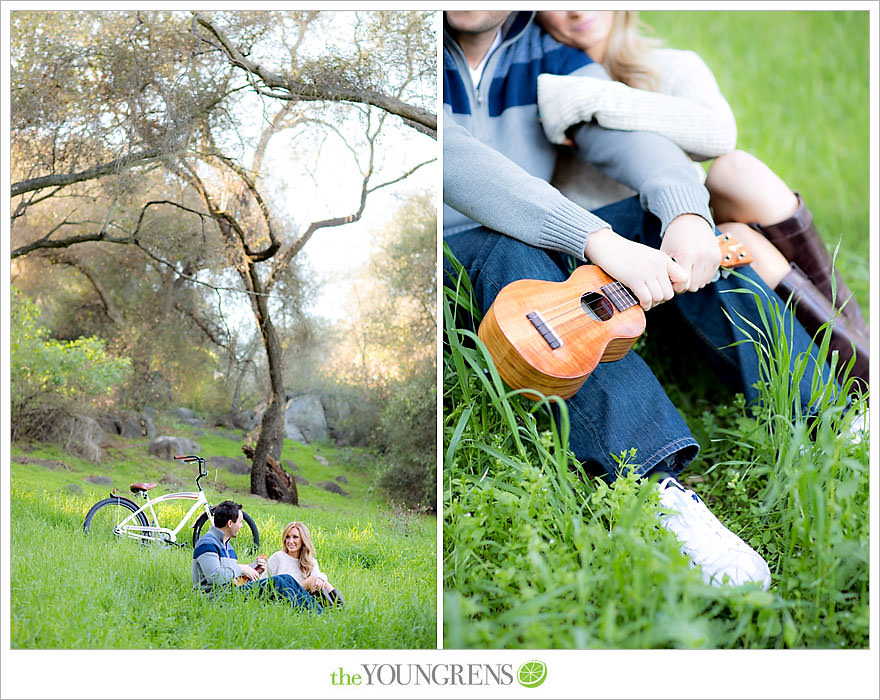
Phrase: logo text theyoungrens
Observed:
(426, 674)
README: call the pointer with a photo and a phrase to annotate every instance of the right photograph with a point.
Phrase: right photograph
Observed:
(656, 345)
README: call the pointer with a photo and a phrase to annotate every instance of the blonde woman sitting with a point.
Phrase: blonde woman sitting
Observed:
(297, 558)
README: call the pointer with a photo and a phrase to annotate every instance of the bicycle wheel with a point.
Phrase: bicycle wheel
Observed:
(104, 516)
(247, 543)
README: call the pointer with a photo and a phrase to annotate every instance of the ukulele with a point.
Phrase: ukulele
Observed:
(549, 336)
(259, 567)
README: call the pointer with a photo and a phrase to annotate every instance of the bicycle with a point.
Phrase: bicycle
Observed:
(121, 517)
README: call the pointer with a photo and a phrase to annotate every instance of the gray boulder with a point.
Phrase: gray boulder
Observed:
(166, 447)
(81, 435)
(333, 487)
(305, 414)
(240, 420)
(128, 425)
(236, 466)
(245, 420)
(292, 431)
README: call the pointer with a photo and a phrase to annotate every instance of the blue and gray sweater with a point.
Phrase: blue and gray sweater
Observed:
(497, 163)
(214, 563)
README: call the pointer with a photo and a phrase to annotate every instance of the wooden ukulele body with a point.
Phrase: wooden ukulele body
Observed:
(571, 314)
(550, 336)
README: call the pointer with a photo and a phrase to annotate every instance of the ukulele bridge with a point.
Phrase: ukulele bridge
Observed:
(547, 333)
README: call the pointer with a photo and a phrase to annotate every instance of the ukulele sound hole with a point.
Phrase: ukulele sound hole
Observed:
(597, 306)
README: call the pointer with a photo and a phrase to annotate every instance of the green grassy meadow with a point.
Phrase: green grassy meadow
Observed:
(539, 555)
(71, 590)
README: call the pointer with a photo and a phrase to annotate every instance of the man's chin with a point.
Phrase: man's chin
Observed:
(475, 22)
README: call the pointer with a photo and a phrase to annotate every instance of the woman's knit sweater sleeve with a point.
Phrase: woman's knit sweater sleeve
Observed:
(690, 109)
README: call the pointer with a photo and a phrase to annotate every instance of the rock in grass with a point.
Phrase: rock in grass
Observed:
(236, 466)
(104, 480)
(166, 447)
(333, 487)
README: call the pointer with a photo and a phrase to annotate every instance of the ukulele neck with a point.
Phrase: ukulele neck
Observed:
(620, 295)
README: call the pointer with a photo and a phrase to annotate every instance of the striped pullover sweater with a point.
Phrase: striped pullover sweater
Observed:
(214, 563)
(497, 162)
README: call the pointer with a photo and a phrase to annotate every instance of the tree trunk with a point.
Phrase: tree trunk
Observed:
(271, 428)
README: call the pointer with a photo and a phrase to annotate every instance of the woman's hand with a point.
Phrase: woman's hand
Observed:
(690, 241)
(649, 273)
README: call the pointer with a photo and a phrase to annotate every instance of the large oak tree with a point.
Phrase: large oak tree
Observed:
(162, 131)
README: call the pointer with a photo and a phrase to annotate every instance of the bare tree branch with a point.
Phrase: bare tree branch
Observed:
(289, 88)
(64, 179)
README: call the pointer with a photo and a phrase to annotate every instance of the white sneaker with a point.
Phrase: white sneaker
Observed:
(859, 427)
(722, 556)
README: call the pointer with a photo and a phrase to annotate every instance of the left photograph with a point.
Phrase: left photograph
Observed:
(223, 393)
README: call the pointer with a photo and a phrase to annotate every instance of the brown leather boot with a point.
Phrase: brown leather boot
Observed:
(798, 240)
(812, 309)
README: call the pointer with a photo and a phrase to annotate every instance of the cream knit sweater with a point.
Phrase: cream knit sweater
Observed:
(688, 109)
(282, 563)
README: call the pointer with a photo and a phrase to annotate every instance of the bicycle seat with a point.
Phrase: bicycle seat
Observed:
(142, 487)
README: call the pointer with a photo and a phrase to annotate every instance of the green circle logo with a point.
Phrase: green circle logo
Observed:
(531, 674)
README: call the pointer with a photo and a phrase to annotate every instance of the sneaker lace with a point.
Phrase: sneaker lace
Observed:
(699, 531)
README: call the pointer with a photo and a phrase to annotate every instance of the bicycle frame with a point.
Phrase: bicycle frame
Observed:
(132, 529)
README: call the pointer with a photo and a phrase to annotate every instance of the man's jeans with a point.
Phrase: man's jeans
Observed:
(283, 586)
(622, 405)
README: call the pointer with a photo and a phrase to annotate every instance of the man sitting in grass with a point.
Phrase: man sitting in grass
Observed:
(215, 564)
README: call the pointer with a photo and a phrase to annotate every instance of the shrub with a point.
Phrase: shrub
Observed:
(409, 438)
(48, 377)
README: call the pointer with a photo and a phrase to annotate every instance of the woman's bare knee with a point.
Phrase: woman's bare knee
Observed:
(743, 188)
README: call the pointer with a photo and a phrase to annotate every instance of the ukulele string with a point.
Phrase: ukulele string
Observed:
(620, 297)
(562, 326)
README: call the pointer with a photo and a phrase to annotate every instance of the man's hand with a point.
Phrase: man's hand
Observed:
(650, 273)
(248, 572)
(690, 241)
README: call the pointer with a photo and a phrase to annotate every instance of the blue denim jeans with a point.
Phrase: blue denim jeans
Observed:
(283, 587)
(622, 404)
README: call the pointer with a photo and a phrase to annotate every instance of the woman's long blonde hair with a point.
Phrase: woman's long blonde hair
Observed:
(628, 56)
(307, 560)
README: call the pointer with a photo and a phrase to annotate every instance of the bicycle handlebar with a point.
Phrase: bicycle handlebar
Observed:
(203, 465)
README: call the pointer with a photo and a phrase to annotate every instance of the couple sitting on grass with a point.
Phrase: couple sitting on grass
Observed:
(523, 91)
(291, 573)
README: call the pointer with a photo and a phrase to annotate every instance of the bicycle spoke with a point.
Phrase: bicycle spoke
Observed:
(105, 523)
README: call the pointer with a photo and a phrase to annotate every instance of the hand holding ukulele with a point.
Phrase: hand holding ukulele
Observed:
(259, 566)
(550, 336)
